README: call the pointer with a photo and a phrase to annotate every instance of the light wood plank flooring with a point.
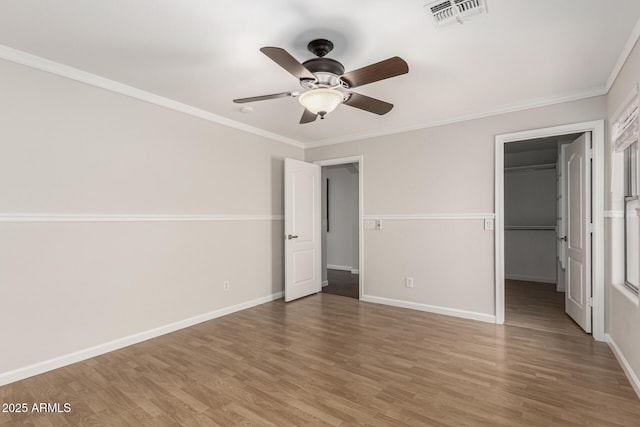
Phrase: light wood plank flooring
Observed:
(329, 360)
(537, 306)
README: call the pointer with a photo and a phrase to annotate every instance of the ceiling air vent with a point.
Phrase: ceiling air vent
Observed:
(448, 11)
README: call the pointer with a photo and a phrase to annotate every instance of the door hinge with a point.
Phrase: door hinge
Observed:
(590, 153)
(589, 302)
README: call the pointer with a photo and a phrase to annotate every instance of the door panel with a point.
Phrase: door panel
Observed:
(302, 229)
(577, 172)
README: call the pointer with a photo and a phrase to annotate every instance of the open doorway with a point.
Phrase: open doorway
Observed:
(340, 229)
(587, 205)
(534, 227)
(350, 274)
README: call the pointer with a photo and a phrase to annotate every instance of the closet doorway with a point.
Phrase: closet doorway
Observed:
(341, 228)
(584, 228)
(535, 264)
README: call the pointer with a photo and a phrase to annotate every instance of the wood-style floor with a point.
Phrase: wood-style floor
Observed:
(330, 360)
(342, 283)
(537, 306)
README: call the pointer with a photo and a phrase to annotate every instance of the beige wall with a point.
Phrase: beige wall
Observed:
(530, 200)
(342, 238)
(441, 170)
(623, 309)
(67, 148)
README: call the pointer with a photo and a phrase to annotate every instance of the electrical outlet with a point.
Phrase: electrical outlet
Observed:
(408, 282)
(226, 286)
(488, 224)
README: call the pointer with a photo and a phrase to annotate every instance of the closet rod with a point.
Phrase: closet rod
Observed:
(531, 227)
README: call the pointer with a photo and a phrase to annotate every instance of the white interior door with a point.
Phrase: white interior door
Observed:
(302, 232)
(577, 202)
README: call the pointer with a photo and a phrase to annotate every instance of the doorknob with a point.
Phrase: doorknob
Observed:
(563, 238)
(290, 236)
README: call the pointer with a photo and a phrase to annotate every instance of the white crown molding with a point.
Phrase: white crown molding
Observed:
(626, 367)
(431, 216)
(20, 218)
(39, 63)
(624, 54)
(72, 73)
(431, 308)
(503, 109)
(68, 359)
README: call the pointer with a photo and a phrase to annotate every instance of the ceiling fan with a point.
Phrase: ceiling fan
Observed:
(326, 82)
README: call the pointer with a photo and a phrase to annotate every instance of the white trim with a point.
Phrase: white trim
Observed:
(526, 278)
(339, 267)
(627, 293)
(431, 216)
(624, 54)
(340, 161)
(431, 308)
(498, 233)
(68, 359)
(360, 161)
(325, 283)
(626, 367)
(503, 109)
(132, 218)
(614, 214)
(39, 63)
(596, 127)
(43, 64)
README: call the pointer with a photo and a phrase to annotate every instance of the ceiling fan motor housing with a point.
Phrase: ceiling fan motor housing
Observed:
(326, 70)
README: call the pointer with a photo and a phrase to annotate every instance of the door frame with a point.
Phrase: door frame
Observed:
(360, 161)
(596, 128)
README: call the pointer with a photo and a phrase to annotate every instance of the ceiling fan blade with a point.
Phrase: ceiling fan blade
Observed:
(367, 103)
(263, 97)
(307, 117)
(288, 62)
(379, 71)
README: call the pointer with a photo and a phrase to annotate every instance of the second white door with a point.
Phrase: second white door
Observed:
(576, 164)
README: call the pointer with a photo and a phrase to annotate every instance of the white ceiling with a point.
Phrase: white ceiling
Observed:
(204, 53)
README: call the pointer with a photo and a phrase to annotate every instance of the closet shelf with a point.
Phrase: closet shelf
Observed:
(531, 227)
(530, 167)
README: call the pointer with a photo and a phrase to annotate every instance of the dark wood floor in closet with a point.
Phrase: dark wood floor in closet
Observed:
(342, 283)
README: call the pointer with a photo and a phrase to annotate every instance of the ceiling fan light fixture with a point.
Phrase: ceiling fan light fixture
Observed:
(321, 101)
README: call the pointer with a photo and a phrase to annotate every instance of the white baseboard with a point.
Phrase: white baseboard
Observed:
(355, 271)
(325, 283)
(68, 359)
(628, 371)
(523, 278)
(339, 267)
(431, 308)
